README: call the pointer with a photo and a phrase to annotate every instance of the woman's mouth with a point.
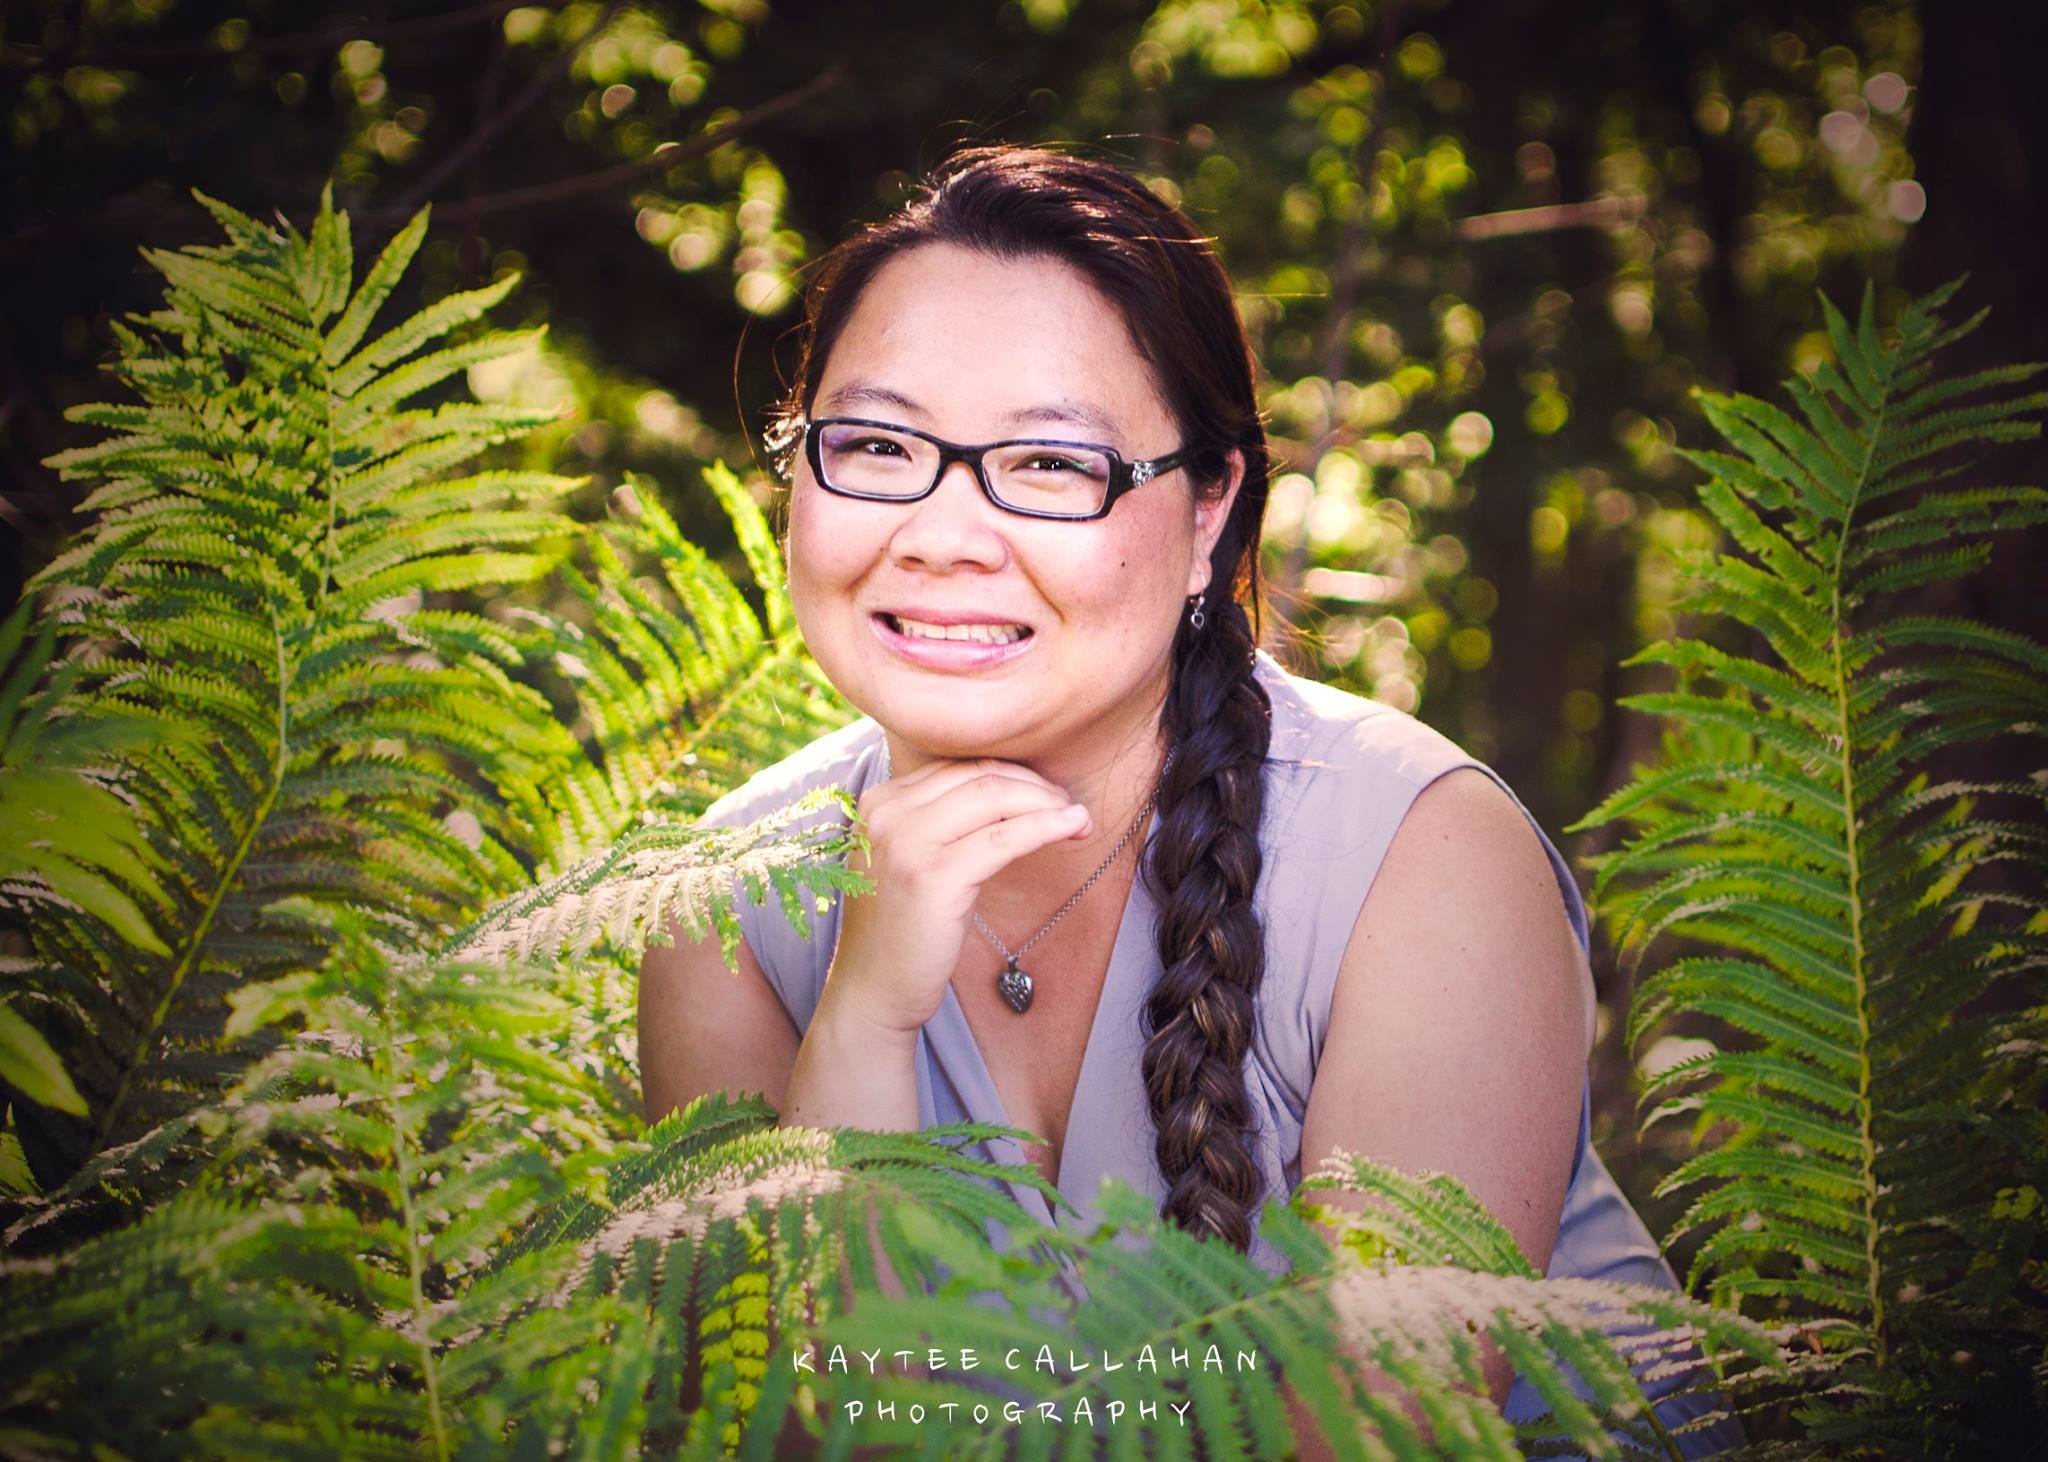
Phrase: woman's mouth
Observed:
(951, 646)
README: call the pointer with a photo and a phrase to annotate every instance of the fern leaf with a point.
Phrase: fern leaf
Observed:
(375, 289)
(236, 590)
(684, 691)
(1859, 1110)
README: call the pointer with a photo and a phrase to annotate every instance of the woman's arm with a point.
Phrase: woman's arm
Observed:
(705, 1028)
(1458, 1027)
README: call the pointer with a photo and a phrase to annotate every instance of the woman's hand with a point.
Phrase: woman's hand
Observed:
(935, 836)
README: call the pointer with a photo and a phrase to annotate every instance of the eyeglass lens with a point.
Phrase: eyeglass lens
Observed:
(1044, 477)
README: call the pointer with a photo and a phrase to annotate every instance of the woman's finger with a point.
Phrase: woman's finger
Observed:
(972, 805)
(981, 854)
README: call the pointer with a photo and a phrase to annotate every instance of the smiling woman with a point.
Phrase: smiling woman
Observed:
(1022, 538)
(1099, 599)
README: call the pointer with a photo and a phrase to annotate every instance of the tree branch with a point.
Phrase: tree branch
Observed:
(1594, 213)
(492, 123)
(666, 156)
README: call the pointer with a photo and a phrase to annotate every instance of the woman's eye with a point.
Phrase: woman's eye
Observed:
(882, 446)
(1052, 464)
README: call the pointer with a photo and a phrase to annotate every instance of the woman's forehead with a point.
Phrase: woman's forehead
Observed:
(1027, 339)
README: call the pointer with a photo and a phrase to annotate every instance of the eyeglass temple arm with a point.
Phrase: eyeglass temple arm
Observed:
(1144, 472)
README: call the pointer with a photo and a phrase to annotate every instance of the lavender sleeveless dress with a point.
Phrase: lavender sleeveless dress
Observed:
(1341, 772)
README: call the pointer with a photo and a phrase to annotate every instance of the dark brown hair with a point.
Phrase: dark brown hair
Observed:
(1150, 261)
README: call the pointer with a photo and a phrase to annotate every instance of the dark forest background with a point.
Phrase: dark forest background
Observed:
(1485, 252)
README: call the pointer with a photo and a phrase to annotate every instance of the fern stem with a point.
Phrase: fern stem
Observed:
(195, 940)
(1866, 1145)
(700, 722)
(401, 1147)
(333, 497)
(1663, 1433)
(1851, 831)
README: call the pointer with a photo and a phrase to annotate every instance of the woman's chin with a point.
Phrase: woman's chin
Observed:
(948, 738)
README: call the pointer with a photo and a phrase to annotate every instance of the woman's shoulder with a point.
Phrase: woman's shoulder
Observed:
(1320, 731)
(1343, 774)
(846, 757)
(1352, 768)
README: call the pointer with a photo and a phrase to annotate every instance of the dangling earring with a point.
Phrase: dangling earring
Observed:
(1196, 618)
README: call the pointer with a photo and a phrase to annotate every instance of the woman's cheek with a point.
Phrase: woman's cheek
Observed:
(812, 571)
(804, 585)
(824, 571)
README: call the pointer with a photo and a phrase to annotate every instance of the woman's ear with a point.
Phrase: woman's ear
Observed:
(1211, 513)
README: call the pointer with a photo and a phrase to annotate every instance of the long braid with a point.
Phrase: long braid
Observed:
(1204, 866)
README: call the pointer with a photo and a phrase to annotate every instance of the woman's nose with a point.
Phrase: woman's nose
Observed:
(956, 524)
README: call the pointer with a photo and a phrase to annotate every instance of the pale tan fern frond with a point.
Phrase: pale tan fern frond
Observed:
(690, 1216)
(667, 874)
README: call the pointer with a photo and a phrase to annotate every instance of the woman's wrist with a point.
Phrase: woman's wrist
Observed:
(852, 1070)
(857, 1025)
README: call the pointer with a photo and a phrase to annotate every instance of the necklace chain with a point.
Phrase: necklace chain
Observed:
(1087, 883)
(1011, 956)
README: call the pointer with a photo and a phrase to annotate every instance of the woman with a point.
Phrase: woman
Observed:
(1027, 480)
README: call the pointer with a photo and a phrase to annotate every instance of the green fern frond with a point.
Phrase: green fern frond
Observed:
(661, 875)
(684, 690)
(1133, 1363)
(66, 836)
(266, 514)
(1429, 1219)
(382, 1156)
(1867, 1124)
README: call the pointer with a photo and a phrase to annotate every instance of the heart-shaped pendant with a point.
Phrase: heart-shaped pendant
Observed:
(1014, 985)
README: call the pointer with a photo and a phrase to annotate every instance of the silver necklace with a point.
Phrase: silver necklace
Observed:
(1013, 983)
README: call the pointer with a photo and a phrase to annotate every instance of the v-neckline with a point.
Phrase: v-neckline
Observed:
(982, 1098)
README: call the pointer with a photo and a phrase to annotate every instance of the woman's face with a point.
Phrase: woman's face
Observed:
(975, 349)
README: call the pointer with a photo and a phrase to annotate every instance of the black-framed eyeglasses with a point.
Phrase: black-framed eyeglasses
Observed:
(882, 462)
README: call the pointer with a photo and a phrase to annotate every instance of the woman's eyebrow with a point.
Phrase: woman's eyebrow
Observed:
(863, 393)
(1081, 413)
(1064, 409)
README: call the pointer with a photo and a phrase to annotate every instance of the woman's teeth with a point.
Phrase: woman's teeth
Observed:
(987, 634)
